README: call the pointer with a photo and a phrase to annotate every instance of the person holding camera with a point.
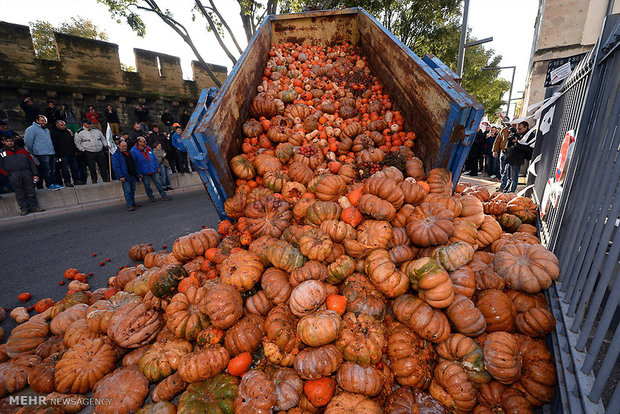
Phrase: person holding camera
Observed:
(30, 110)
(520, 148)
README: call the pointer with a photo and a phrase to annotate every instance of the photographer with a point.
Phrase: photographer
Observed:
(30, 109)
(520, 148)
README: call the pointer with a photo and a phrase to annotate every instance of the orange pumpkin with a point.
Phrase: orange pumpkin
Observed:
(502, 358)
(337, 303)
(427, 322)
(320, 391)
(240, 364)
(430, 225)
(43, 305)
(139, 251)
(431, 281)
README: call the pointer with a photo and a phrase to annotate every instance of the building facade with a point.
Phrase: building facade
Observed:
(565, 30)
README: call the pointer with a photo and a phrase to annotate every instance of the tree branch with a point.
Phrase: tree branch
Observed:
(219, 16)
(182, 31)
(247, 22)
(272, 6)
(215, 31)
(327, 5)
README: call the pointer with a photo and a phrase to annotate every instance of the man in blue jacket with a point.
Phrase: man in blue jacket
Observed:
(148, 168)
(124, 167)
(39, 143)
(181, 150)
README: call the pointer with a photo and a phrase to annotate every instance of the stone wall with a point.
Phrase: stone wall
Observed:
(88, 72)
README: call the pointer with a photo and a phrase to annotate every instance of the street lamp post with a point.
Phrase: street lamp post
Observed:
(459, 65)
(462, 44)
(511, 82)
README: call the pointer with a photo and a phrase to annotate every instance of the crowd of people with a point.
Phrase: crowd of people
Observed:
(500, 151)
(58, 151)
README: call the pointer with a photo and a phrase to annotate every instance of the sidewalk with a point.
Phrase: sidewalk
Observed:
(490, 184)
(87, 197)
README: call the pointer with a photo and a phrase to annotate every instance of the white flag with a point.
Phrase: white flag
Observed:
(110, 138)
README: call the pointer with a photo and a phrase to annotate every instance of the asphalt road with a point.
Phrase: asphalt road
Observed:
(34, 255)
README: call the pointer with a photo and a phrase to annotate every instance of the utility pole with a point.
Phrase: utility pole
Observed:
(463, 45)
(461, 61)
(511, 82)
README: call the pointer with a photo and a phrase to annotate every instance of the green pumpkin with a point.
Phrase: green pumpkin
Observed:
(473, 364)
(242, 167)
(454, 255)
(210, 336)
(314, 182)
(285, 151)
(288, 96)
(322, 211)
(419, 270)
(139, 286)
(275, 181)
(509, 222)
(213, 396)
(285, 256)
(342, 267)
(292, 234)
(164, 282)
(68, 301)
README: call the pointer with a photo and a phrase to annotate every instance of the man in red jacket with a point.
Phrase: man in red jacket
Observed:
(22, 172)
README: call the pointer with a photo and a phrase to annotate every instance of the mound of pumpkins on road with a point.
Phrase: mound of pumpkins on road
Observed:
(349, 279)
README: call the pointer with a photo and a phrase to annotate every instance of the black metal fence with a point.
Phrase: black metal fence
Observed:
(581, 228)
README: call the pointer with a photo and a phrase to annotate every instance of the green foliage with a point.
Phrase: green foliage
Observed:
(120, 9)
(82, 27)
(429, 27)
(43, 34)
(127, 68)
(43, 40)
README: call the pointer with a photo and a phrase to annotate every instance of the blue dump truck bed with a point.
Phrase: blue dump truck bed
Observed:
(441, 113)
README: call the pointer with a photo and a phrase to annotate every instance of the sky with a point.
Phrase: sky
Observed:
(509, 22)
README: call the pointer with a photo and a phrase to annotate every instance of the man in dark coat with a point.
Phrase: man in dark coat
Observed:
(64, 146)
(111, 117)
(142, 113)
(167, 120)
(18, 165)
(134, 134)
(52, 113)
(476, 149)
(156, 137)
(30, 110)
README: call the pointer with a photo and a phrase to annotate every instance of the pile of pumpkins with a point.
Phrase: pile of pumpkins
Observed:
(350, 278)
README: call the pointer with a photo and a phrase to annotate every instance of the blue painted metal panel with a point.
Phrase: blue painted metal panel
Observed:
(198, 149)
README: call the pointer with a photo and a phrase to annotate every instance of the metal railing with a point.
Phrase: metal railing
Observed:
(581, 228)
